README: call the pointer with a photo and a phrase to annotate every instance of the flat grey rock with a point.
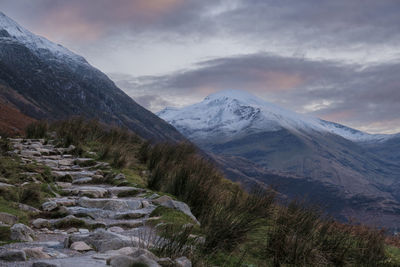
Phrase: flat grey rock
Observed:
(21, 232)
(7, 218)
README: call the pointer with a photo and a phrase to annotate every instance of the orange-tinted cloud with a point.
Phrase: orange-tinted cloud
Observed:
(277, 80)
(91, 20)
(70, 24)
(148, 9)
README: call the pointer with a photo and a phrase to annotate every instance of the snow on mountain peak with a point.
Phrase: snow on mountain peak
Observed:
(41, 46)
(234, 112)
(232, 94)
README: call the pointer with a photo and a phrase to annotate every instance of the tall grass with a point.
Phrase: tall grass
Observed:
(177, 169)
(37, 130)
(228, 222)
(303, 236)
(296, 234)
(233, 222)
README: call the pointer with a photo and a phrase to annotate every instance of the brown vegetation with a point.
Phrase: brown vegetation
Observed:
(12, 121)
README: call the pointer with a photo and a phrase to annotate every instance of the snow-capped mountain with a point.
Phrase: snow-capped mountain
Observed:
(9, 29)
(43, 80)
(353, 173)
(234, 112)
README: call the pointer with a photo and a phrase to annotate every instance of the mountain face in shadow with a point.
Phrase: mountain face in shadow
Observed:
(44, 80)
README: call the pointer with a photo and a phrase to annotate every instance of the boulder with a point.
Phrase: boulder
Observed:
(13, 255)
(36, 253)
(121, 261)
(140, 251)
(127, 251)
(21, 232)
(168, 202)
(41, 223)
(183, 262)
(30, 209)
(49, 206)
(80, 246)
(8, 219)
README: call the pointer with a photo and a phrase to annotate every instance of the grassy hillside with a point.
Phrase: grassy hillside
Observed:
(236, 228)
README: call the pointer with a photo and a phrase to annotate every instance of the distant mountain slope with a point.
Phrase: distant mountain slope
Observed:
(46, 80)
(256, 140)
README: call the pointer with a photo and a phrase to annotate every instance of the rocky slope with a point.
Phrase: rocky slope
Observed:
(349, 172)
(44, 80)
(90, 221)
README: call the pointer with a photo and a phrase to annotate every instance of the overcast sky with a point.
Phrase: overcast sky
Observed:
(338, 60)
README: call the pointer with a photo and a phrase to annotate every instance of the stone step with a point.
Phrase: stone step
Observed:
(98, 213)
(88, 191)
(99, 190)
(113, 204)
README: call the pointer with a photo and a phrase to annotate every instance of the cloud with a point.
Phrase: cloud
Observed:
(308, 27)
(358, 96)
(152, 102)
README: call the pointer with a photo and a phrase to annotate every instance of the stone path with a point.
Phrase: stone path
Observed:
(91, 221)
